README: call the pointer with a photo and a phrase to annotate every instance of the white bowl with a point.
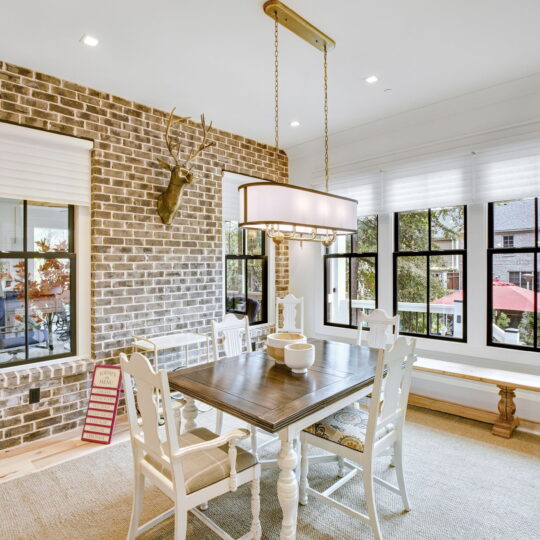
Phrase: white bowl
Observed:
(275, 344)
(299, 356)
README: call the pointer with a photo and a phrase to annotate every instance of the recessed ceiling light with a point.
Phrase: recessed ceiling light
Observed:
(89, 40)
(372, 79)
(387, 89)
(295, 123)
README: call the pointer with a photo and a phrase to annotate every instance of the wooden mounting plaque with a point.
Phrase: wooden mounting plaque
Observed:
(298, 25)
(103, 404)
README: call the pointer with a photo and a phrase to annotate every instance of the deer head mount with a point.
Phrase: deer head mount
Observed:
(181, 175)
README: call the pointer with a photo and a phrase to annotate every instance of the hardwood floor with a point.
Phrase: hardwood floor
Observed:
(39, 455)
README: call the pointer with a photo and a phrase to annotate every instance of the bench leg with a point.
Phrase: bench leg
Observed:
(507, 422)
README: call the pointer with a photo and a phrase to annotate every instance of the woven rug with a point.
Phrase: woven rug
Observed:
(463, 484)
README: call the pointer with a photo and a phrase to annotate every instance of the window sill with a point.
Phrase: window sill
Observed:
(262, 326)
(12, 376)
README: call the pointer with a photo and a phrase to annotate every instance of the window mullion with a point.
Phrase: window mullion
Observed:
(350, 289)
(26, 311)
(535, 277)
(428, 294)
(246, 284)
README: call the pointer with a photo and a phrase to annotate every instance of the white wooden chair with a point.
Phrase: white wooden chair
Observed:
(191, 468)
(234, 337)
(360, 436)
(292, 322)
(383, 330)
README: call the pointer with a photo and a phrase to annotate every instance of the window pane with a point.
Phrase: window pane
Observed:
(363, 286)
(12, 338)
(48, 227)
(337, 301)
(513, 303)
(255, 242)
(413, 231)
(538, 300)
(448, 228)
(233, 238)
(515, 219)
(411, 283)
(366, 238)
(11, 225)
(49, 314)
(236, 292)
(255, 290)
(446, 295)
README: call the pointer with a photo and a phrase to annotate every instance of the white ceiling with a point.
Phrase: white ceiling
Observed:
(216, 56)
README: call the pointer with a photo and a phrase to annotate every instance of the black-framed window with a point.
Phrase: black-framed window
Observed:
(508, 241)
(37, 281)
(350, 275)
(246, 273)
(512, 280)
(430, 261)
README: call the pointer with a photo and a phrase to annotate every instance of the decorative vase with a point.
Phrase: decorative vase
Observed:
(299, 356)
(275, 344)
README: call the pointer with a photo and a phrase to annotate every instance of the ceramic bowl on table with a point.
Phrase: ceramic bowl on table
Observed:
(275, 344)
(299, 356)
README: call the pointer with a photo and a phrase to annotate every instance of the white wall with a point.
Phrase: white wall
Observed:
(506, 112)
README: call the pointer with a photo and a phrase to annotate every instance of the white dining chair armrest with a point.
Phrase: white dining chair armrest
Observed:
(229, 438)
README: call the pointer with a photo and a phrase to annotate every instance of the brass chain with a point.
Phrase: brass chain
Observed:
(276, 93)
(325, 70)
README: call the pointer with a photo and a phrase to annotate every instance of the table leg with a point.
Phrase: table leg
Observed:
(507, 422)
(189, 412)
(287, 486)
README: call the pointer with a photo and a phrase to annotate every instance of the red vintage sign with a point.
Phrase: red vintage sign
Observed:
(103, 404)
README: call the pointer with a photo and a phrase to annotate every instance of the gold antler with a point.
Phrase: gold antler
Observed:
(173, 148)
(203, 146)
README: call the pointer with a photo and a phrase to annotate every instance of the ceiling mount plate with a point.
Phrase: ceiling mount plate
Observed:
(297, 24)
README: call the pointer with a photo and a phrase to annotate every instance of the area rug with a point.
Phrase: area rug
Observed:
(463, 484)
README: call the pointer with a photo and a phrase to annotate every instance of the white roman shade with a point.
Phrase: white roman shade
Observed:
(497, 173)
(507, 172)
(41, 166)
(366, 188)
(427, 184)
(230, 200)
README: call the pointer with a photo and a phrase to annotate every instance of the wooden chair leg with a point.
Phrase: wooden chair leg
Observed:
(507, 422)
(219, 422)
(254, 450)
(255, 531)
(397, 459)
(341, 466)
(392, 463)
(304, 469)
(180, 523)
(370, 500)
(138, 496)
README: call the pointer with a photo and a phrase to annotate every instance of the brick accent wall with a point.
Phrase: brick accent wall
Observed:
(147, 278)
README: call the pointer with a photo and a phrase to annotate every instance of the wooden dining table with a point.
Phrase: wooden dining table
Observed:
(253, 388)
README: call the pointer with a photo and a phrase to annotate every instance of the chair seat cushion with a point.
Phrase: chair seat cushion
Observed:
(205, 467)
(346, 427)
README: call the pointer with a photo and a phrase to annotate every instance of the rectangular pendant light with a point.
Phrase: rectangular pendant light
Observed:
(264, 205)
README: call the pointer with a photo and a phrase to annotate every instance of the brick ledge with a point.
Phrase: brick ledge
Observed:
(29, 373)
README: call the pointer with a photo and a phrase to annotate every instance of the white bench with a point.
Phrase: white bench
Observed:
(507, 381)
